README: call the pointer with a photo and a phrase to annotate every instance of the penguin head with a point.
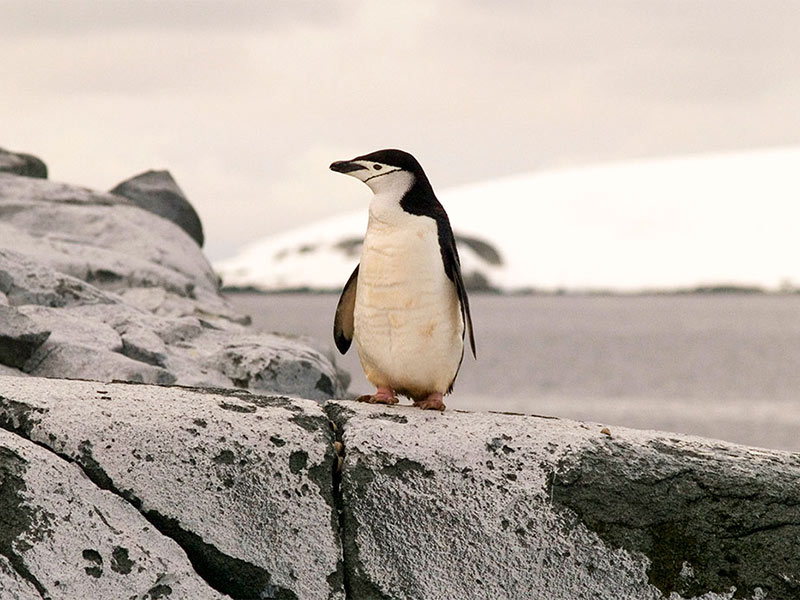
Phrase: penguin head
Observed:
(384, 171)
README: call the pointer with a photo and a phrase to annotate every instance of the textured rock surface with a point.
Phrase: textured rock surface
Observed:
(425, 506)
(507, 506)
(157, 192)
(101, 238)
(11, 371)
(128, 295)
(62, 537)
(22, 164)
(20, 337)
(242, 483)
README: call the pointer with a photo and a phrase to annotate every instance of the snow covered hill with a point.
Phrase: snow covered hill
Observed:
(650, 224)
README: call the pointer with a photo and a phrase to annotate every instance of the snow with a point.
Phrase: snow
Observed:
(730, 218)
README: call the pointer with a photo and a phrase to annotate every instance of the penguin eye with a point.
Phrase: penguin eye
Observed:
(377, 167)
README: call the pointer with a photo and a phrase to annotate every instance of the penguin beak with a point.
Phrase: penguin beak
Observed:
(346, 166)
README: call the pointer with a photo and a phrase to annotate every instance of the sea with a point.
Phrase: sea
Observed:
(723, 366)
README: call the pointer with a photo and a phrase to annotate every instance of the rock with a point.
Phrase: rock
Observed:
(15, 585)
(268, 363)
(73, 325)
(129, 296)
(157, 192)
(509, 506)
(25, 281)
(26, 165)
(11, 372)
(242, 483)
(180, 331)
(62, 537)
(70, 361)
(101, 238)
(142, 344)
(100, 335)
(425, 505)
(210, 306)
(20, 336)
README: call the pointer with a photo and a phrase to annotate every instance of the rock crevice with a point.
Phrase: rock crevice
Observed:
(226, 486)
(276, 497)
(233, 577)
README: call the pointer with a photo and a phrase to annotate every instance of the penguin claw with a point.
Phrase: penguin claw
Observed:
(432, 402)
(382, 396)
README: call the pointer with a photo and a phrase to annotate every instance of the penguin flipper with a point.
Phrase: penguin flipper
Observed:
(343, 321)
(464, 302)
(452, 267)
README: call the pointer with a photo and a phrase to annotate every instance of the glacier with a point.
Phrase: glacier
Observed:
(728, 218)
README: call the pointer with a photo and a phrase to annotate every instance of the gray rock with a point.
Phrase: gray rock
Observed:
(102, 238)
(22, 189)
(211, 307)
(102, 336)
(26, 165)
(430, 505)
(14, 585)
(269, 363)
(129, 296)
(63, 538)
(243, 483)
(143, 344)
(11, 372)
(20, 336)
(26, 281)
(180, 331)
(508, 506)
(157, 192)
(69, 361)
(74, 325)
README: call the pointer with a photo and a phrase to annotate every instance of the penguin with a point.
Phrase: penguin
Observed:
(405, 303)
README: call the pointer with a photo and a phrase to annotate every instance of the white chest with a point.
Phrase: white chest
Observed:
(408, 324)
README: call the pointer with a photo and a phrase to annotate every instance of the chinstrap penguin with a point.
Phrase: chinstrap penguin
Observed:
(405, 303)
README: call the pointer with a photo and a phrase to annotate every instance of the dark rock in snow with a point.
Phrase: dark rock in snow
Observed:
(157, 192)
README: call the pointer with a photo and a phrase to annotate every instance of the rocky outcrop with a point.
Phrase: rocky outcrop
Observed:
(106, 488)
(511, 506)
(94, 287)
(63, 537)
(157, 192)
(273, 497)
(26, 165)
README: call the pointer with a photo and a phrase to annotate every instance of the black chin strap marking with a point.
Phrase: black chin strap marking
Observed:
(382, 174)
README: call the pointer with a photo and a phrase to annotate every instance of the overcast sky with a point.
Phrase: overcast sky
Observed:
(247, 102)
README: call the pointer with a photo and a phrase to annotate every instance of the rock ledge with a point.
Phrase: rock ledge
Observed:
(248, 496)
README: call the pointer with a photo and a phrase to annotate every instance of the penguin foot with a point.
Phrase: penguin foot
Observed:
(382, 396)
(432, 402)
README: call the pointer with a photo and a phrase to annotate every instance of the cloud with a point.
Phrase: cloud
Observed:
(240, 100)
(77, 18)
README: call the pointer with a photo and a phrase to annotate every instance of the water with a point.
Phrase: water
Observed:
(721, 366)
